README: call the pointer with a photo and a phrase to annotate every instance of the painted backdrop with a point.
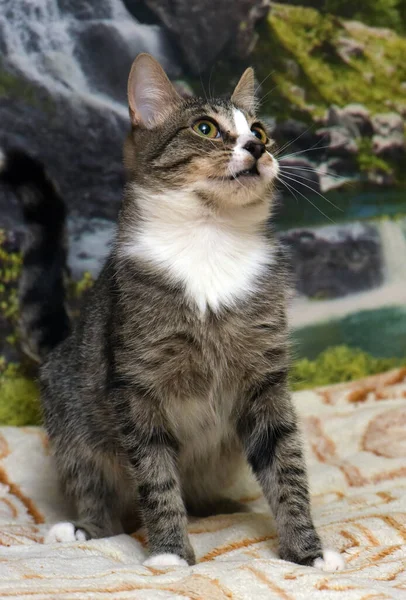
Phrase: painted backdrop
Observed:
(332, 81)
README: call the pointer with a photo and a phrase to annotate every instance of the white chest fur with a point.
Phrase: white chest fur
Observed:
(218, 262)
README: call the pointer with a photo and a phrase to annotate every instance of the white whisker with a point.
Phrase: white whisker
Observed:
(314, 191)
(314, 148)
(263, 81)
(295, 140)
(312, 170)
(305, 197)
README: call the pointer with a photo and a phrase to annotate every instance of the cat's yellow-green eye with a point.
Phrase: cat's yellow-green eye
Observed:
(259, 133)
(206, 129)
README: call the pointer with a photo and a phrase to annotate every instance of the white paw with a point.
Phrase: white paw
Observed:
(64, 532)
(165, 560)
(331, 561)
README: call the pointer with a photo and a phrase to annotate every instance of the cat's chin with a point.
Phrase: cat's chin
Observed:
(244, 189)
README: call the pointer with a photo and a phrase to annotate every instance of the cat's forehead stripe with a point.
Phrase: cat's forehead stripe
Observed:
(241, 123)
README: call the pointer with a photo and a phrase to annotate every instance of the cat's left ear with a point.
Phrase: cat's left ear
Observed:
(244, 93)
(151, 96)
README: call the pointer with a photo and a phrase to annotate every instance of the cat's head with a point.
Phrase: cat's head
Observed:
(217, 149)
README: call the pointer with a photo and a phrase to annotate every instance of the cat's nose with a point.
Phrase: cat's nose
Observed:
(255, 147)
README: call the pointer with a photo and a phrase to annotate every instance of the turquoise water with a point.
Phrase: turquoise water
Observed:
(380, 332)
(350, 205)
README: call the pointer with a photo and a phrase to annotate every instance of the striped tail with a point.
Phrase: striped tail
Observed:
(44, 320)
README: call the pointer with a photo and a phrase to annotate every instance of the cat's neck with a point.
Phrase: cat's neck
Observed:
(219, 258)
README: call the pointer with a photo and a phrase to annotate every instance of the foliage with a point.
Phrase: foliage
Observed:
(339, 364)
(19, 397)
(368, 161)
(10, 268)
(379, 13)
(312, 43)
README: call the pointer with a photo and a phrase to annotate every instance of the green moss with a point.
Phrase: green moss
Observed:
(311, 40)
(83, 285)
(10, 269)
(339, 364)
(367, 161)
(19, 397)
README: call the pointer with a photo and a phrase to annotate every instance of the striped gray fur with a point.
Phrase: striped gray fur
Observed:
(153, 407)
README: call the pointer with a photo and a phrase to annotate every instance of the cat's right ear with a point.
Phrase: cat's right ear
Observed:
(244, 93)
(151, 96)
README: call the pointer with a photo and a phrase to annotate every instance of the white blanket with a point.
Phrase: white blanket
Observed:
(356, 446)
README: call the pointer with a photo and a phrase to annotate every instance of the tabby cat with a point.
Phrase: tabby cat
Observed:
(177, 372)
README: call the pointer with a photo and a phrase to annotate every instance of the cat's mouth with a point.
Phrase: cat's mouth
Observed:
(252, 172)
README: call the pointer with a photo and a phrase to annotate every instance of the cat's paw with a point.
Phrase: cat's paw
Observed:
(165, 560)
(331, 561)
(65, 532)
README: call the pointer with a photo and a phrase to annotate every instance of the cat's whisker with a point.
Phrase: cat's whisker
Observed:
(310, 170)
(290, 187)
(314, 148)
(313, 191)
(287, 144)
(203, 88)
(263, 81)
(210, 76)
(268, 93)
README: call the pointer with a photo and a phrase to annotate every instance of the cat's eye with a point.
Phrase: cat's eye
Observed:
(206, 129)
(259, 133)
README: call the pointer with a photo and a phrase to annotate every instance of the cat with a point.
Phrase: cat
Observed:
(176, 374)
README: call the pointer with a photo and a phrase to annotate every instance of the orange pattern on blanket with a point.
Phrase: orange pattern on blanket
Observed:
(355, 436)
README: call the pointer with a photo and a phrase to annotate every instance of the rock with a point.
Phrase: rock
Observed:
(348, 49)
(360, 116)
(336, 117)
(80, 146)
(66, 64)
(105, 54)
(295, 136)
(300, 174)
(389, 139)
(334, 261)
(339, 140)
(291, 67)
(336, 173)
(380, 178)
(391, 146)
(206, 29)
(387, 123)
(297, 91)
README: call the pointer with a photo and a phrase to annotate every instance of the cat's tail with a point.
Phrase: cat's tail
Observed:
(44, 320)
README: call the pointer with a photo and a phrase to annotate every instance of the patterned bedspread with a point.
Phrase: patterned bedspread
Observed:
(356, 445)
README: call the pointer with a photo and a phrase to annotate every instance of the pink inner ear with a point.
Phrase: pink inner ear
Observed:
(150, 93)
(244, 93)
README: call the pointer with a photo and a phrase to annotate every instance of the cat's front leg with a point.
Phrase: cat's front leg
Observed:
(267, 426)
(152, 457)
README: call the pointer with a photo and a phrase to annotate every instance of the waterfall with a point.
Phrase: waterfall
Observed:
(393, 243)
(39, 39)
